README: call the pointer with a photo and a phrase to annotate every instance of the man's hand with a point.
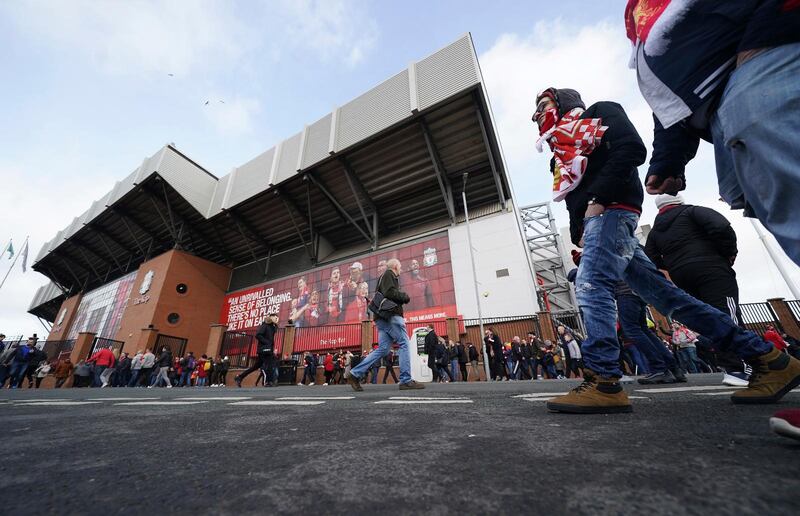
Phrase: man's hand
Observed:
(594, 209)
(672, 185)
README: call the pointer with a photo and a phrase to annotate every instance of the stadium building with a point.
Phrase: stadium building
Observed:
(174, 255)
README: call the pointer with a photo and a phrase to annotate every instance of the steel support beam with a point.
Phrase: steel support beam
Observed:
(337, 206)
(360, 193)
(497, 180)
(290, 207)
(441, 174)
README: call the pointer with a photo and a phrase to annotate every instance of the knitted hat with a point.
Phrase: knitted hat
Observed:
(576, 257)
(667, 199)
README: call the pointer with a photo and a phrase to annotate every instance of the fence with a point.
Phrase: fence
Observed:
(327, 338)
(505, 327)
(571, 319)
(794, 307)
(241, 347)
(757, 316)
(100, 343)
(58, 349)
(176, 345)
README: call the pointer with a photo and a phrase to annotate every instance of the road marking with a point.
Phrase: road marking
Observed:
(690, 389)
(551, 397)
(539, 394)
(412, 401)
(425, 398)
(121, 399)
(277, 402)
(39, 400)
(215, 398)
(160, 403)
(723, 393)
(538, 399)
(315, 398)
(56, 403)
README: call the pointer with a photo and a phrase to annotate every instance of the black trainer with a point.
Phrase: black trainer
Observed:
(680, 376)
(238, 381)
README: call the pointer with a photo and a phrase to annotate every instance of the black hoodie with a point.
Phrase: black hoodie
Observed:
(611, 176)
(690, 234)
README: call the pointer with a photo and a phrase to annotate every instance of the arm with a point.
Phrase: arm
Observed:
(673, 148)
(391, 292)
(626, 150)
(653, 252)
(718, 228)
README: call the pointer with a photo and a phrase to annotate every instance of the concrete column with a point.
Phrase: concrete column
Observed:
(366, 336)
(452, 329)
(147, 340)
(215, 337)
(288, 341)
(546, 327)
(785, 316)
(83, 345)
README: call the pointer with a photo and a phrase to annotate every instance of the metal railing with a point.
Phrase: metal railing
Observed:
(101, 343)
(57, 350)
(176, 345)
(327, 338)
(241, 347)
(758, 316)
(794, 307)
(571, 319)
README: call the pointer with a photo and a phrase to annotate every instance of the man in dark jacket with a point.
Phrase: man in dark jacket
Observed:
(494, 347)
(431, 340)
(462, 360)
(726, 72)
(163, 363)
(697, 247)
(391, 330)
(596, 152)
(265, 339)
(20, 361)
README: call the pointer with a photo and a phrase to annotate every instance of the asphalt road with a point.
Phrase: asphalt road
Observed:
(473, 448)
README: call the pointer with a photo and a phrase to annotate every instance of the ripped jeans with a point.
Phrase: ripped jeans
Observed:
(611, 252)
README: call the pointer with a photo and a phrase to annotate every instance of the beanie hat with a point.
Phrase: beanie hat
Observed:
(576, 257)
(667, 199)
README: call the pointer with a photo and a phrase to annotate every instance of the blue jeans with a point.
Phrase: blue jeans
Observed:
(134, 377)
(389, 332)
(454, 369)
(689, 358)
(186, 379)
(633, 319)
(756, 142)
(638, 360)
(17, 373)
(611, 253)
(98, 370)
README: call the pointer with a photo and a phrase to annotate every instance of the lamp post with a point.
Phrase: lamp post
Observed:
(486, 368)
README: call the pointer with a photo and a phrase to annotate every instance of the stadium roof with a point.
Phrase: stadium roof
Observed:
(389, 160)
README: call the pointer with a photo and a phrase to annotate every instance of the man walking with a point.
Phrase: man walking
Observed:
(265, 336)
(697, 247)
(163, 363)
(102, 359)
(596, 152)
(431, 341)
(473, 360)
(390, 330)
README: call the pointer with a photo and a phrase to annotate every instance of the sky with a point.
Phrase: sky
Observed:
(89, 88)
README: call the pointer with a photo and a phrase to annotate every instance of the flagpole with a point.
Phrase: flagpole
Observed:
(16, 257)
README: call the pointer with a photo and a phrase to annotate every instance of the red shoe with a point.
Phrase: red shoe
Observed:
(786, 423)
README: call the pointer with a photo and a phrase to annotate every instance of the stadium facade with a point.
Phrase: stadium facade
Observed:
(304, 228)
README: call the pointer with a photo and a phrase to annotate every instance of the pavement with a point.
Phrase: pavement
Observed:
(459, 448)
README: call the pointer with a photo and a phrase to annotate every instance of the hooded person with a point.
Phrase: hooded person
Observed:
(697, 247)
(596, 152)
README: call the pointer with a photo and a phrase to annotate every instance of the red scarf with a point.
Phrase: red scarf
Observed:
(640, 15)
(571, 139)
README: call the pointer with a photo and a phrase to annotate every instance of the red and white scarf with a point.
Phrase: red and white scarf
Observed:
(571, 139)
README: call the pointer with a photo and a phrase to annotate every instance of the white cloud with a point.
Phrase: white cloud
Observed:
(593, 60)
(232, 117)
(331, 28)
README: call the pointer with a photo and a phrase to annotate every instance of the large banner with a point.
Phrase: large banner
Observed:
(336, 294)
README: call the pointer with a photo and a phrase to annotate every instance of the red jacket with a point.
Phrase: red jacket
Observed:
(328, 362)
(776, 340)
(104, 357)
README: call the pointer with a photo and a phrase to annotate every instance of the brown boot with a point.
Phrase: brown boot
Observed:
(354, 382)
(774, 374)
(596, 395)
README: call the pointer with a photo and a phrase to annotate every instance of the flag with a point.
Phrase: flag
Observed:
(10, 249)
(25, 256)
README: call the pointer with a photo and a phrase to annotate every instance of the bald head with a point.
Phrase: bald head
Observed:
(394, 265)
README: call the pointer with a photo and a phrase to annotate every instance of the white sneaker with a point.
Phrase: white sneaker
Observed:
(310, 384)
(169, 386)
(626, 379)
(734, 380)
(325, 384)
(149, 386)
(299, 384)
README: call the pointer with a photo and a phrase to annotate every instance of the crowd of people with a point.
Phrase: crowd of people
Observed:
(106, 368)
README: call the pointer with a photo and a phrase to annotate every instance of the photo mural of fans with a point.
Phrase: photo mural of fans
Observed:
(338, 293)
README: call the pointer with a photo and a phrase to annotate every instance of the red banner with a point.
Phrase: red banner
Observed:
(336, 294)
